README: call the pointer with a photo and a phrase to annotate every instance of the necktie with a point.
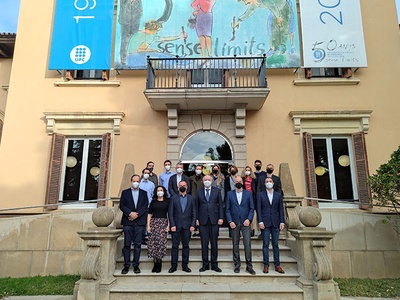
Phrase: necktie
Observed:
(208, 195)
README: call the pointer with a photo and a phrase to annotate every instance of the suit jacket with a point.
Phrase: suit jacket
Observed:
(127, 206)
(270, 215)
(173, 184)
(177, 217)
(277, 183)
(212, 209)
(239, 213)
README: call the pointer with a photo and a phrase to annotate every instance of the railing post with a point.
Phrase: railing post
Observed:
(262, 79)
(150, 75)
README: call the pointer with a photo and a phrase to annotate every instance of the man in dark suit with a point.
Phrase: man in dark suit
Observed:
(269, 174)
(210, 215)
(175, 179)
(271, 219)
(239, 213)
(134, 204)
(182, 219)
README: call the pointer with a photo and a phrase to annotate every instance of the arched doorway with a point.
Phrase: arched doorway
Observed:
(206, 148)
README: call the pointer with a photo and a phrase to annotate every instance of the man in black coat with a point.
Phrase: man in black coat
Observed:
(134, 205)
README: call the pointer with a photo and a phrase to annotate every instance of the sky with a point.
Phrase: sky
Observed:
(9, 15)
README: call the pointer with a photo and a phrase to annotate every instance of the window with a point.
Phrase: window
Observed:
(336, 168)
(80, 177)
(207, 77)
(78, 169)
(86, 75)
(328, 72)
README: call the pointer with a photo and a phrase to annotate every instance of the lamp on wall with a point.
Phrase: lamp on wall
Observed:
(344, 160)
(320, 170)
(94, 171)
(71, 161)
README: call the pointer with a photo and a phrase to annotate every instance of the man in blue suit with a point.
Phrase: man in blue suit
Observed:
(182, 219)
(239, 213)
(271, 220)
(210, 215)
(134, 204)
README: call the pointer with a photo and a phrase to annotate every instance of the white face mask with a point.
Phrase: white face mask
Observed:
(269, 185)
(207, 183)
(135, 185)
(146, 176)
(198, 172)
(160, 193)
(179, 170)
(167, 168)
(247, 173)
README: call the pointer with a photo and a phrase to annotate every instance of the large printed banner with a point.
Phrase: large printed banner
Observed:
(332, 34)
(206, 28)
(82, 35)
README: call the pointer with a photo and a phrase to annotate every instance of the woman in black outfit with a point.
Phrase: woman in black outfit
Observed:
(158, 227)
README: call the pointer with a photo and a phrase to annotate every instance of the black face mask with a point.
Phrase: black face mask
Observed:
(215, 171)
(258, 168)
(269, 171)
(233, 172)
(239, 185)
(182, 189)
(150, 169)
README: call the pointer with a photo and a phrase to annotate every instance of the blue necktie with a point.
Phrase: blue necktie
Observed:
(208, 195)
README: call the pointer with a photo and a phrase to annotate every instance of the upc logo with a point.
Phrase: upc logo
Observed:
(80, 54)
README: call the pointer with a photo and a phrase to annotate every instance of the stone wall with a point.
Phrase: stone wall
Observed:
(364, 247)
(46, 244)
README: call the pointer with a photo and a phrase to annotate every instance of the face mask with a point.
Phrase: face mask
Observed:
(179, 170)
(258, 168)
(233, 172)
(207, 183)
(146, 176)
(182, 189)
(135, 185)
(269, 185)
(160, 193)
(198, 172)
(167, 168)
(215, 171)
(239, 185)
(150, 169)
(269, 171)
(247, 173)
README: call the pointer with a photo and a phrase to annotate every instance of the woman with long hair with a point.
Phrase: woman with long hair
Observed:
(250, 184)
(158, 227)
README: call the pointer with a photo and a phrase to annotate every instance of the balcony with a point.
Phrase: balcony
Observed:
(207, 84)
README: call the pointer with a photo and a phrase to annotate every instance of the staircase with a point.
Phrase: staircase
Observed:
(209, 284)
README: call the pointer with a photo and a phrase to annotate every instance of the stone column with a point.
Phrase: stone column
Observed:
(98, 263)
(312, 252)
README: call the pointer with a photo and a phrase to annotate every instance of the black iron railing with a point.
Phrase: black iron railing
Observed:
(186, 73)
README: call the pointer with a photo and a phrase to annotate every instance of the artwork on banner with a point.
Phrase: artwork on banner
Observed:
(332, 34)
(82, 35)
(206, 28)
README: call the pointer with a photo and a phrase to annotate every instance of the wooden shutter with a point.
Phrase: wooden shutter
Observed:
(54, 172)
(104, 161)
(309, 164)
(362, 173)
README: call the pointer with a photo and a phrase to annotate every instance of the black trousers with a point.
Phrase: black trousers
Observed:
(209, 235)
(180, 235)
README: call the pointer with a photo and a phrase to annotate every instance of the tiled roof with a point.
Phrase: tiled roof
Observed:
(7, 43)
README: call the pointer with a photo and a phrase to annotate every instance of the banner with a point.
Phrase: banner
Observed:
(332, 34)
(206, 28)
(82, 35)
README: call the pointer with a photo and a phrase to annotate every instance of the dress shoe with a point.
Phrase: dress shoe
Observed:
(144, 242)
(279, 269)
(251, 271)
(266, 269)
(136, 270)
(236, 270)
(196, 234)
(260, 236)
(204, 268)
(171, 270)
(125, 270)
(186, 269)
(252, 233)
(216, 269)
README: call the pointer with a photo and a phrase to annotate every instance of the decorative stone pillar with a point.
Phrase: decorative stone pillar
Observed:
(98, 263)
(312, 252)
